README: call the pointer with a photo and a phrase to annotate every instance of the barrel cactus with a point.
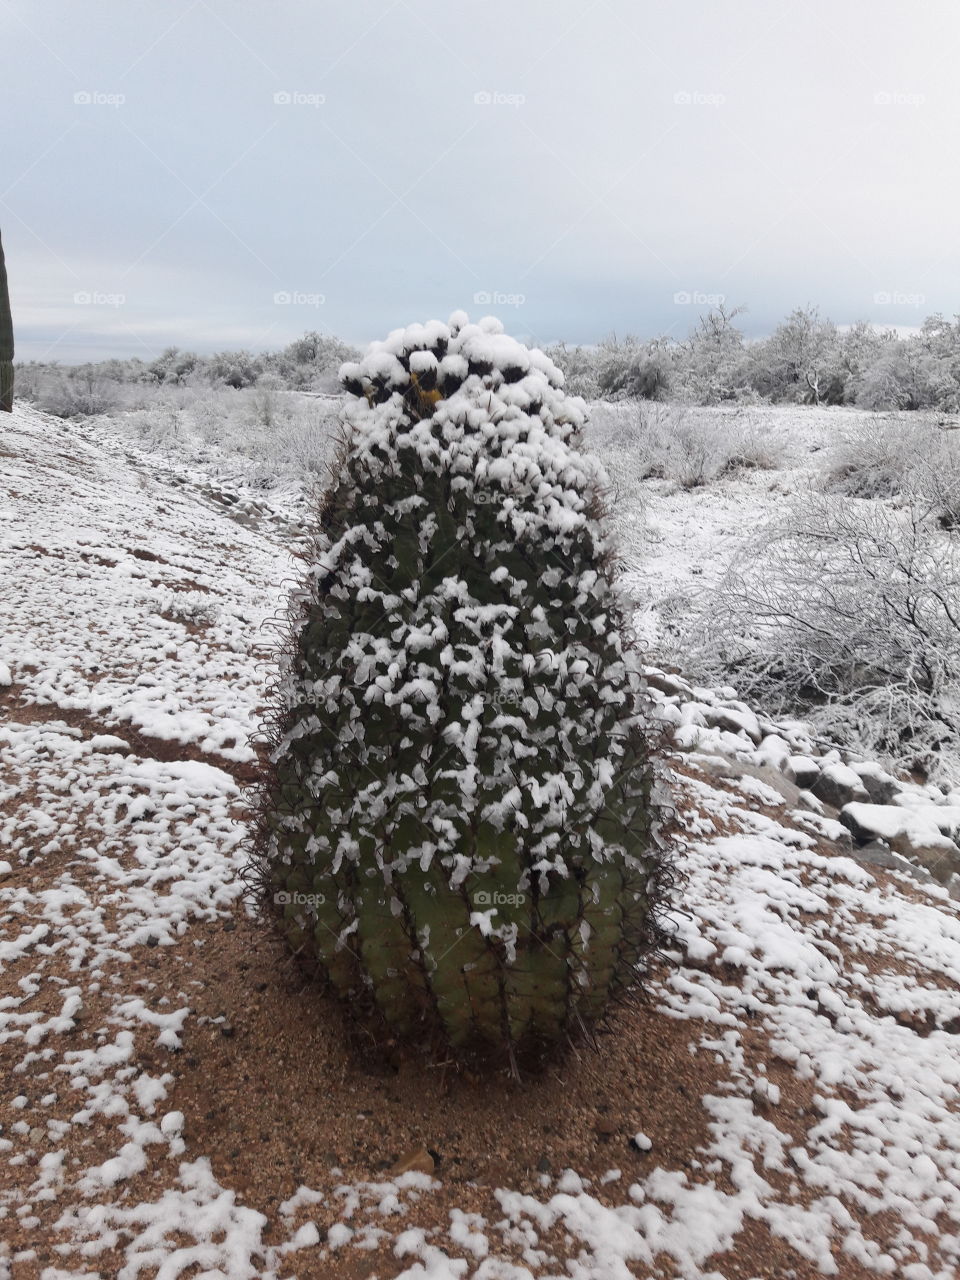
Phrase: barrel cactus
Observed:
(6, 340)
(457, 828)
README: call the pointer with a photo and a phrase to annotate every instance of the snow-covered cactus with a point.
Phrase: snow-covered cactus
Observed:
(6, 340)
(457, 829)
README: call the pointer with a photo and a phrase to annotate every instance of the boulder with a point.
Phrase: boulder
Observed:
(838, 785)
(735, 718)
(774, 751)
(910, 832)
(878, 854)
(881, 786)
(807, 800)
(672, 686)
(803, 770)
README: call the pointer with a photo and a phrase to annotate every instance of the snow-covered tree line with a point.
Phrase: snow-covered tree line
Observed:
(310, 363)
(806, 360)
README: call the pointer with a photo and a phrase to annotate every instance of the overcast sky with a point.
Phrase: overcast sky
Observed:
(224, 173)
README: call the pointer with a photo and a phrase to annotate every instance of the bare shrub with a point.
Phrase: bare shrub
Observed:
(916, 461)
(685, 447)
(849, 611)
(197, 608)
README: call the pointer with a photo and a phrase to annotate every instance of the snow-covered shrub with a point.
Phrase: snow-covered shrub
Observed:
(699, 451)
(74, 393)
(197, 608)
(458, 828)
(849, 611)
(268, 399)
(911, 458)
(688, 448)
(874, 459)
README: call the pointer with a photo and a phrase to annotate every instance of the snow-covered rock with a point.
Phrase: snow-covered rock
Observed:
(803, 770)
(734, 718)
(838, 785)
(911, 833)
(882, 787)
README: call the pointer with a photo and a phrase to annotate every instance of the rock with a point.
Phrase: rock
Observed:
(765, 1094)
(881, 786)
(417, 1161)
(946, 816)
(909, 832)
(878, 854)
(802, 770)
(838, 785)
(718, 766)
(672, 686)
(735, 718)
(172, 1123)
(606, 1127)
(807, 800)
(774, 751)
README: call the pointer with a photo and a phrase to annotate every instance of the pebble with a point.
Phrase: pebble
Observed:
(419, 1160)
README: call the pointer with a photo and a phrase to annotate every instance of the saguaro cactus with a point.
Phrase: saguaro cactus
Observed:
(6, 340)
(457, 830)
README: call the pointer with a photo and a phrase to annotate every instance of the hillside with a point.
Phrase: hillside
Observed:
(783, 1102)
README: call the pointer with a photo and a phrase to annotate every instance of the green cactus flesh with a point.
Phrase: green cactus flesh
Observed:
(458, 829)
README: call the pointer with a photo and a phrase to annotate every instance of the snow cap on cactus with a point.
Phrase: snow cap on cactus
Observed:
(457, 829)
